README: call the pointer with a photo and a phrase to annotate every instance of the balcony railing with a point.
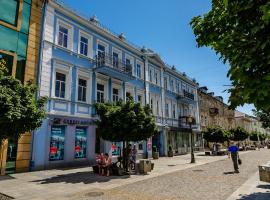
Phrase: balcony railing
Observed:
(180, 123)
(188, 95)
(108, 60)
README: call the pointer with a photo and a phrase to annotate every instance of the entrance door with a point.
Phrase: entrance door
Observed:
(11, 156)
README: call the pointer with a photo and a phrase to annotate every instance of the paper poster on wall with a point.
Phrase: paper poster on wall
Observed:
(57, 143)
(116, 148)
(80, 142)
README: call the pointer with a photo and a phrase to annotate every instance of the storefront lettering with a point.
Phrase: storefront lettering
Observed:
(63, 121)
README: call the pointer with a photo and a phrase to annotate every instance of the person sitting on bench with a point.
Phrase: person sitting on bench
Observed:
(100, 162)
(107, 165)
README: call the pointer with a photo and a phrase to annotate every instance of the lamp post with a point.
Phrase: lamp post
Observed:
(190, 121)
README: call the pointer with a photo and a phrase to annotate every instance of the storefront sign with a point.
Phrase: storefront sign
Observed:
(57, 143)
(116, 148)
(69, 121)
(80, 142)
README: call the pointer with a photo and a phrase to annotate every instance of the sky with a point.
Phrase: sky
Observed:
(163, 26)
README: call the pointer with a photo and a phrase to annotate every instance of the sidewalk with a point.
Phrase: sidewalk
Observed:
(252, 189)
(64, 183)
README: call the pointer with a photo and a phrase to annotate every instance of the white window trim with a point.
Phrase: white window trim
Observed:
(106, 45)
(119, 88)
(105, 83)
(86, 76)
(64, 69)
(131, 61)
(141, 93)
(142, 69)
(70, 34)
(90, 43)
(118, 51)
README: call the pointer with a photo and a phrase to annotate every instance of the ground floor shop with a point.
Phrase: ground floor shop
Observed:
(63, 142)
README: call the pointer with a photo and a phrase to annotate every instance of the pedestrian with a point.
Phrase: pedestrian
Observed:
(233, 152)
(134, 154)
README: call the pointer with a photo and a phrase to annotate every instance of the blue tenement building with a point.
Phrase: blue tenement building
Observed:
(82, 62)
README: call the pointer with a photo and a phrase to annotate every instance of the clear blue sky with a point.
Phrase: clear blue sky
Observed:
(163, 25)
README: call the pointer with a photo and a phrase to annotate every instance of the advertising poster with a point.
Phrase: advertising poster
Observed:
(57, 143)
(80, 142)
(116, 148)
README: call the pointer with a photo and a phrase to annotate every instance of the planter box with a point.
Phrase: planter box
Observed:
(144, 166)
(155, 155)
(170, 153)
(264, 172)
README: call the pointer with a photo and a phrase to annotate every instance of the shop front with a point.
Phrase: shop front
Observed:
(62, 142)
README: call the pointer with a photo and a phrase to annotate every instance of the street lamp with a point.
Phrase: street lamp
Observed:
(190, 121)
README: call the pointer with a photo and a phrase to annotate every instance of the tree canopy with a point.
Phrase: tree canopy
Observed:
(238, 134)
(125, 121)
(264, 117)
(239, 32)
(215, 134)
(255, 136)
(19, 111)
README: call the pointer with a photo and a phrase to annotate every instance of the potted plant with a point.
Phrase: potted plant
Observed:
(170, 152)
(155, 153)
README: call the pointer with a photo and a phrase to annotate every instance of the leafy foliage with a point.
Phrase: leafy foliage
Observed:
(19, 111)
(216, 134)
(125, 121)
(264, 117)
(238, 134)
(255, 136)
(239, 31)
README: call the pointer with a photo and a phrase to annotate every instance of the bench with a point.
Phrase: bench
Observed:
(207, 153)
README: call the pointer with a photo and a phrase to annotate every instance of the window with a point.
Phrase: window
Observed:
(173, 110)
(101, 50)
(127, 95)
(115, 95)
(165, 83)
(157, 108)
(140, 98)
(128, 63)
(57, 143)
(151, 104)
(172, 85)
(150, 75)
(82, 90)
(80, 142)
(6, 61)
(139, 71)
(115, 59)
(83, 46)
(9, 11)
(167, 110)
(63, 36)
(178, 88)
(156, 77)
(100, 93)
(60, 85)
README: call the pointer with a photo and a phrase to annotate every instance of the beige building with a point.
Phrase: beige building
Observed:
(213, 111)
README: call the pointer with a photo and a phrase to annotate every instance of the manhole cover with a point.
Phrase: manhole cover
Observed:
(94, 194)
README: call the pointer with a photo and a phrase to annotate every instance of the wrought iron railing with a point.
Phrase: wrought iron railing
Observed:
(188, 95)
(108, 60)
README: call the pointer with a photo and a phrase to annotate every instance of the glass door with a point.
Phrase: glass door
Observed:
(11, 156)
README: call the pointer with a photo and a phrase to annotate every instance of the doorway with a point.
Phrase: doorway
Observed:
(11, 156)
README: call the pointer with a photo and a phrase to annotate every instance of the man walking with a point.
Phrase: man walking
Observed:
(233, 149)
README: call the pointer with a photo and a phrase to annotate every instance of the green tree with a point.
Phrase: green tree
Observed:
(264, 117)
(125, 122)
(216, 135)
(254, 136)
(19, 111)
(238, 134)
(239, 32)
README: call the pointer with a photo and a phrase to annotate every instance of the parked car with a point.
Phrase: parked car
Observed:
(251, 147)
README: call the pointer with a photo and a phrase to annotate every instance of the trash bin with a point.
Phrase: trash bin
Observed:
(144, 166)
(264, 172)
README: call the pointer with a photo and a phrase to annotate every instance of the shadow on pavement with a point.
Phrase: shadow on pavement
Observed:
(227, 173)
(5, 177)
(256, 196)
(79, 177)
(264, 186)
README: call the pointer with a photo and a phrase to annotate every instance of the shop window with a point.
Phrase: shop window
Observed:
(57, 143)
(82, 90)
(9, 11)
(60, 85)
(140, 146)
(80, 142)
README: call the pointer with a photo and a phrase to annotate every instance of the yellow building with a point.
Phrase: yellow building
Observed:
(213, 111)
(20, 25)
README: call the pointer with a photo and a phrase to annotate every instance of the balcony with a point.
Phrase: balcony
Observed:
(113, 67)
(179, 124)
(186, 97)
(213, 111)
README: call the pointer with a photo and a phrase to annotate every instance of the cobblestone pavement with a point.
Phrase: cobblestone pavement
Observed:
(213, 181)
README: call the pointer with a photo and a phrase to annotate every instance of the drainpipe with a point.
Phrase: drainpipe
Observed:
(38, 80)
